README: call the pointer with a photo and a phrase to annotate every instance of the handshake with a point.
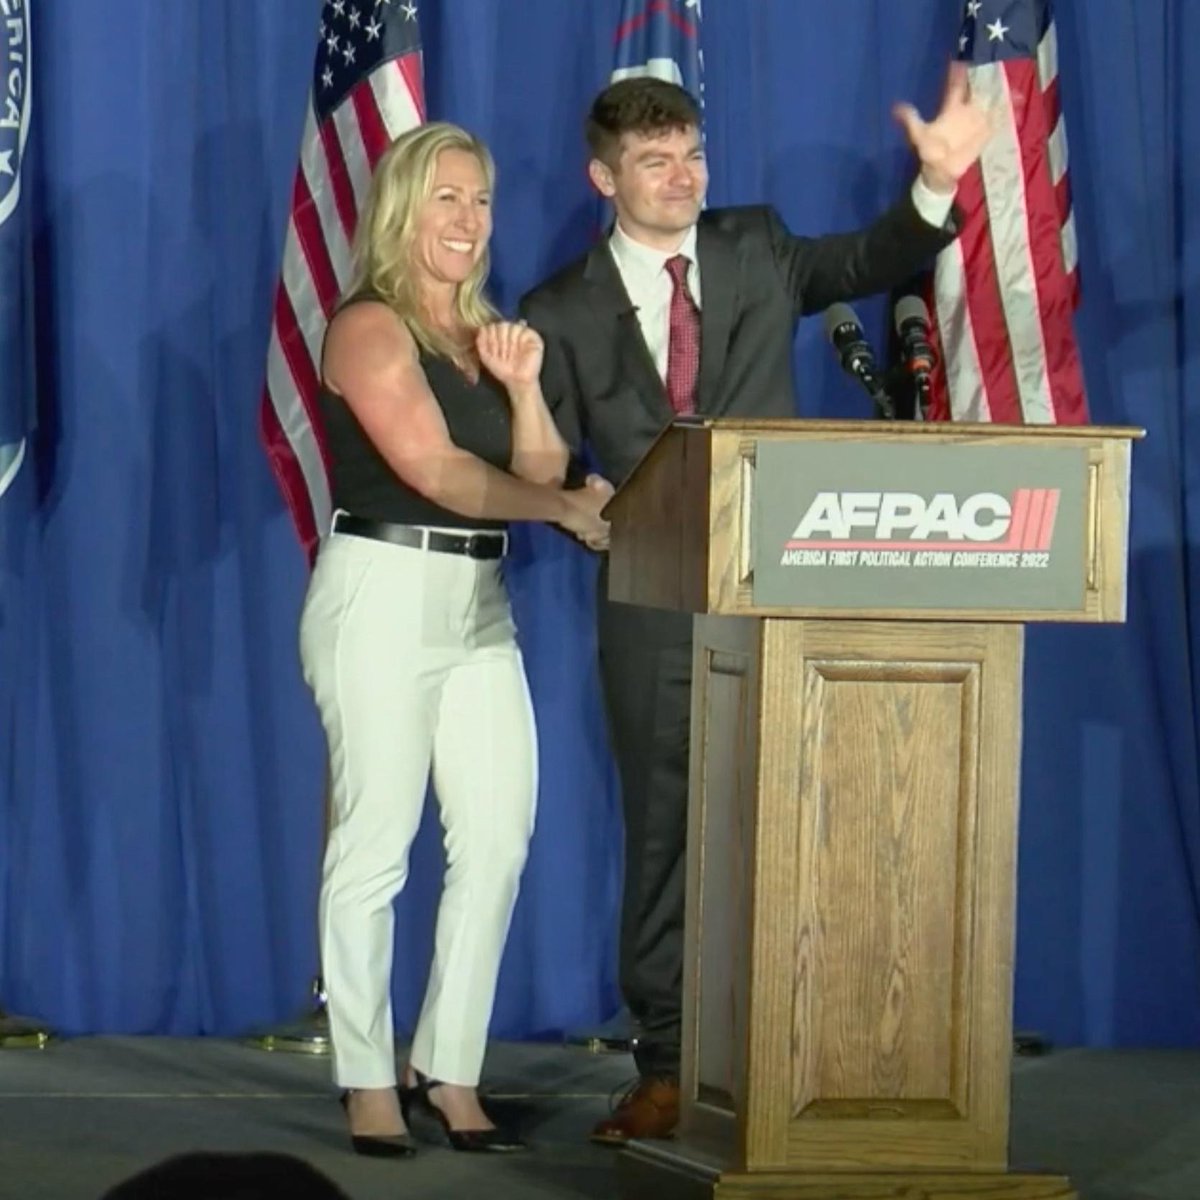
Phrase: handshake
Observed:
(582, 516)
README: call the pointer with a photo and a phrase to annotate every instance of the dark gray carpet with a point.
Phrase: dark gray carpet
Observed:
(83, 1115)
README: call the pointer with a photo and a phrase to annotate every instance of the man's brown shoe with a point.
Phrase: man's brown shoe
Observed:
(650, 1110)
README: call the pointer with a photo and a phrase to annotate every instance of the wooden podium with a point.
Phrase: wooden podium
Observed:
(854, 788)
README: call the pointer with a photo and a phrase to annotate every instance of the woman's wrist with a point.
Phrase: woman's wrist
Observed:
(525, 393)
(564, 504)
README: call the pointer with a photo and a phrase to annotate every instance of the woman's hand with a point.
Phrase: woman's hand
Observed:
(583, 517)
(591, 529)
(511, 352)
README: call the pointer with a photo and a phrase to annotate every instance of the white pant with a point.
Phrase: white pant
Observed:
(412, 659)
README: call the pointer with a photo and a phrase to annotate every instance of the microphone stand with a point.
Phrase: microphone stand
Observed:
(877, 388)
(924, 395)
(902, 388)
(883, 395)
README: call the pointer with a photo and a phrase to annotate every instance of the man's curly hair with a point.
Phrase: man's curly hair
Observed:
(641, 104)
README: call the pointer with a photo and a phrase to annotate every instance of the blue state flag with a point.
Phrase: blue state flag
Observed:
(661, 38)
(16, 242)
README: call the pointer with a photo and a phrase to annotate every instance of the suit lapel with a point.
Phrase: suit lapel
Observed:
(611, 302)
(718, 275)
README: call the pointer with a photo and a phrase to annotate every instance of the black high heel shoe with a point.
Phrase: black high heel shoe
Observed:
(397, 1145)
(471, 1141)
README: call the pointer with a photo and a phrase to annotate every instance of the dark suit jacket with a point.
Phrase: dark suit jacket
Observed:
(756, 280)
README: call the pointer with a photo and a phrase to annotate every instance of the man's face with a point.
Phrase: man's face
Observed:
(657, 186)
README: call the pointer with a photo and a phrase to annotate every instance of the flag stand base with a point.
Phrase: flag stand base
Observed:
(20, 1033)
(308, 1034)
(615, 1036)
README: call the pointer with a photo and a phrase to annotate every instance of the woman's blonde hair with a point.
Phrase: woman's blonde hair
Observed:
(383, 242)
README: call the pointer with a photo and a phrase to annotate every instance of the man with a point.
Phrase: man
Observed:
(684, 310)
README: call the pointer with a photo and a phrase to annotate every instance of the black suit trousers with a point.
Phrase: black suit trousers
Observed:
(646, 673)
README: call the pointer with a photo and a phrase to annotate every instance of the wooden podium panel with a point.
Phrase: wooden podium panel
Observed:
(860, 1026)
(852, 834)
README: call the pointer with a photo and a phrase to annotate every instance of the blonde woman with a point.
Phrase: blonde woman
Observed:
(438, 436)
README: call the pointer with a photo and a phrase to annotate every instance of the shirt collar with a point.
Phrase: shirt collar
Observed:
(645, 260)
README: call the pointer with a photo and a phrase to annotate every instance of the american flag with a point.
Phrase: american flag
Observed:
(16, 270)
(367, 89)
(1005, 292)
(661, 38)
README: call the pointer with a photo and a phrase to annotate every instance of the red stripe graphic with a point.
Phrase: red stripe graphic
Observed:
(1020, 517)
(1032, 530)
(1046, 531)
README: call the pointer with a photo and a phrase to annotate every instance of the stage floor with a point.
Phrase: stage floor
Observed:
(82, 1115)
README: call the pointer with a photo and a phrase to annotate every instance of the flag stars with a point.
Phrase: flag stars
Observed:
(973, 8)
(358, 36)
(997, 30)
(6, 167)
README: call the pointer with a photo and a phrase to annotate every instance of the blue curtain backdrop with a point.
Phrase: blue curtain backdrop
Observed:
(162, 767)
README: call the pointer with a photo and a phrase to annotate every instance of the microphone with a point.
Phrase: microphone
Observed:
(845, 331)
(916, 349)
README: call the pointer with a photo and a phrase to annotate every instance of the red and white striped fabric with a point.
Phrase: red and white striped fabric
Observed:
(367, 90)
(1004, 294)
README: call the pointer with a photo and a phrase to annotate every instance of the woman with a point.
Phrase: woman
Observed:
(437, 435)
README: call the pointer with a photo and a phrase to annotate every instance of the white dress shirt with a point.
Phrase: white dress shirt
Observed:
(644, 273)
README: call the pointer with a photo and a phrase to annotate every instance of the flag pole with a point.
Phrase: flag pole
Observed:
(308, 1032)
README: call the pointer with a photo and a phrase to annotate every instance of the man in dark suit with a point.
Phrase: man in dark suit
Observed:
(683, 310)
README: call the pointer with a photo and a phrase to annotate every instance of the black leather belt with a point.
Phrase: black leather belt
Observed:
(473, 545)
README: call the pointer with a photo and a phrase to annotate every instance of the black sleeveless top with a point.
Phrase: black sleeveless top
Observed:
(479, 421)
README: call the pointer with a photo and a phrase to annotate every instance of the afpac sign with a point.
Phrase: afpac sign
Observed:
(912, 521)
(919, 525)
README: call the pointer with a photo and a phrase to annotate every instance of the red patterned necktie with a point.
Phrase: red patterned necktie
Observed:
(683, 343)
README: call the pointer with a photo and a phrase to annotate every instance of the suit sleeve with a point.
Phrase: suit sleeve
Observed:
(821, 271)
(560, 386)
